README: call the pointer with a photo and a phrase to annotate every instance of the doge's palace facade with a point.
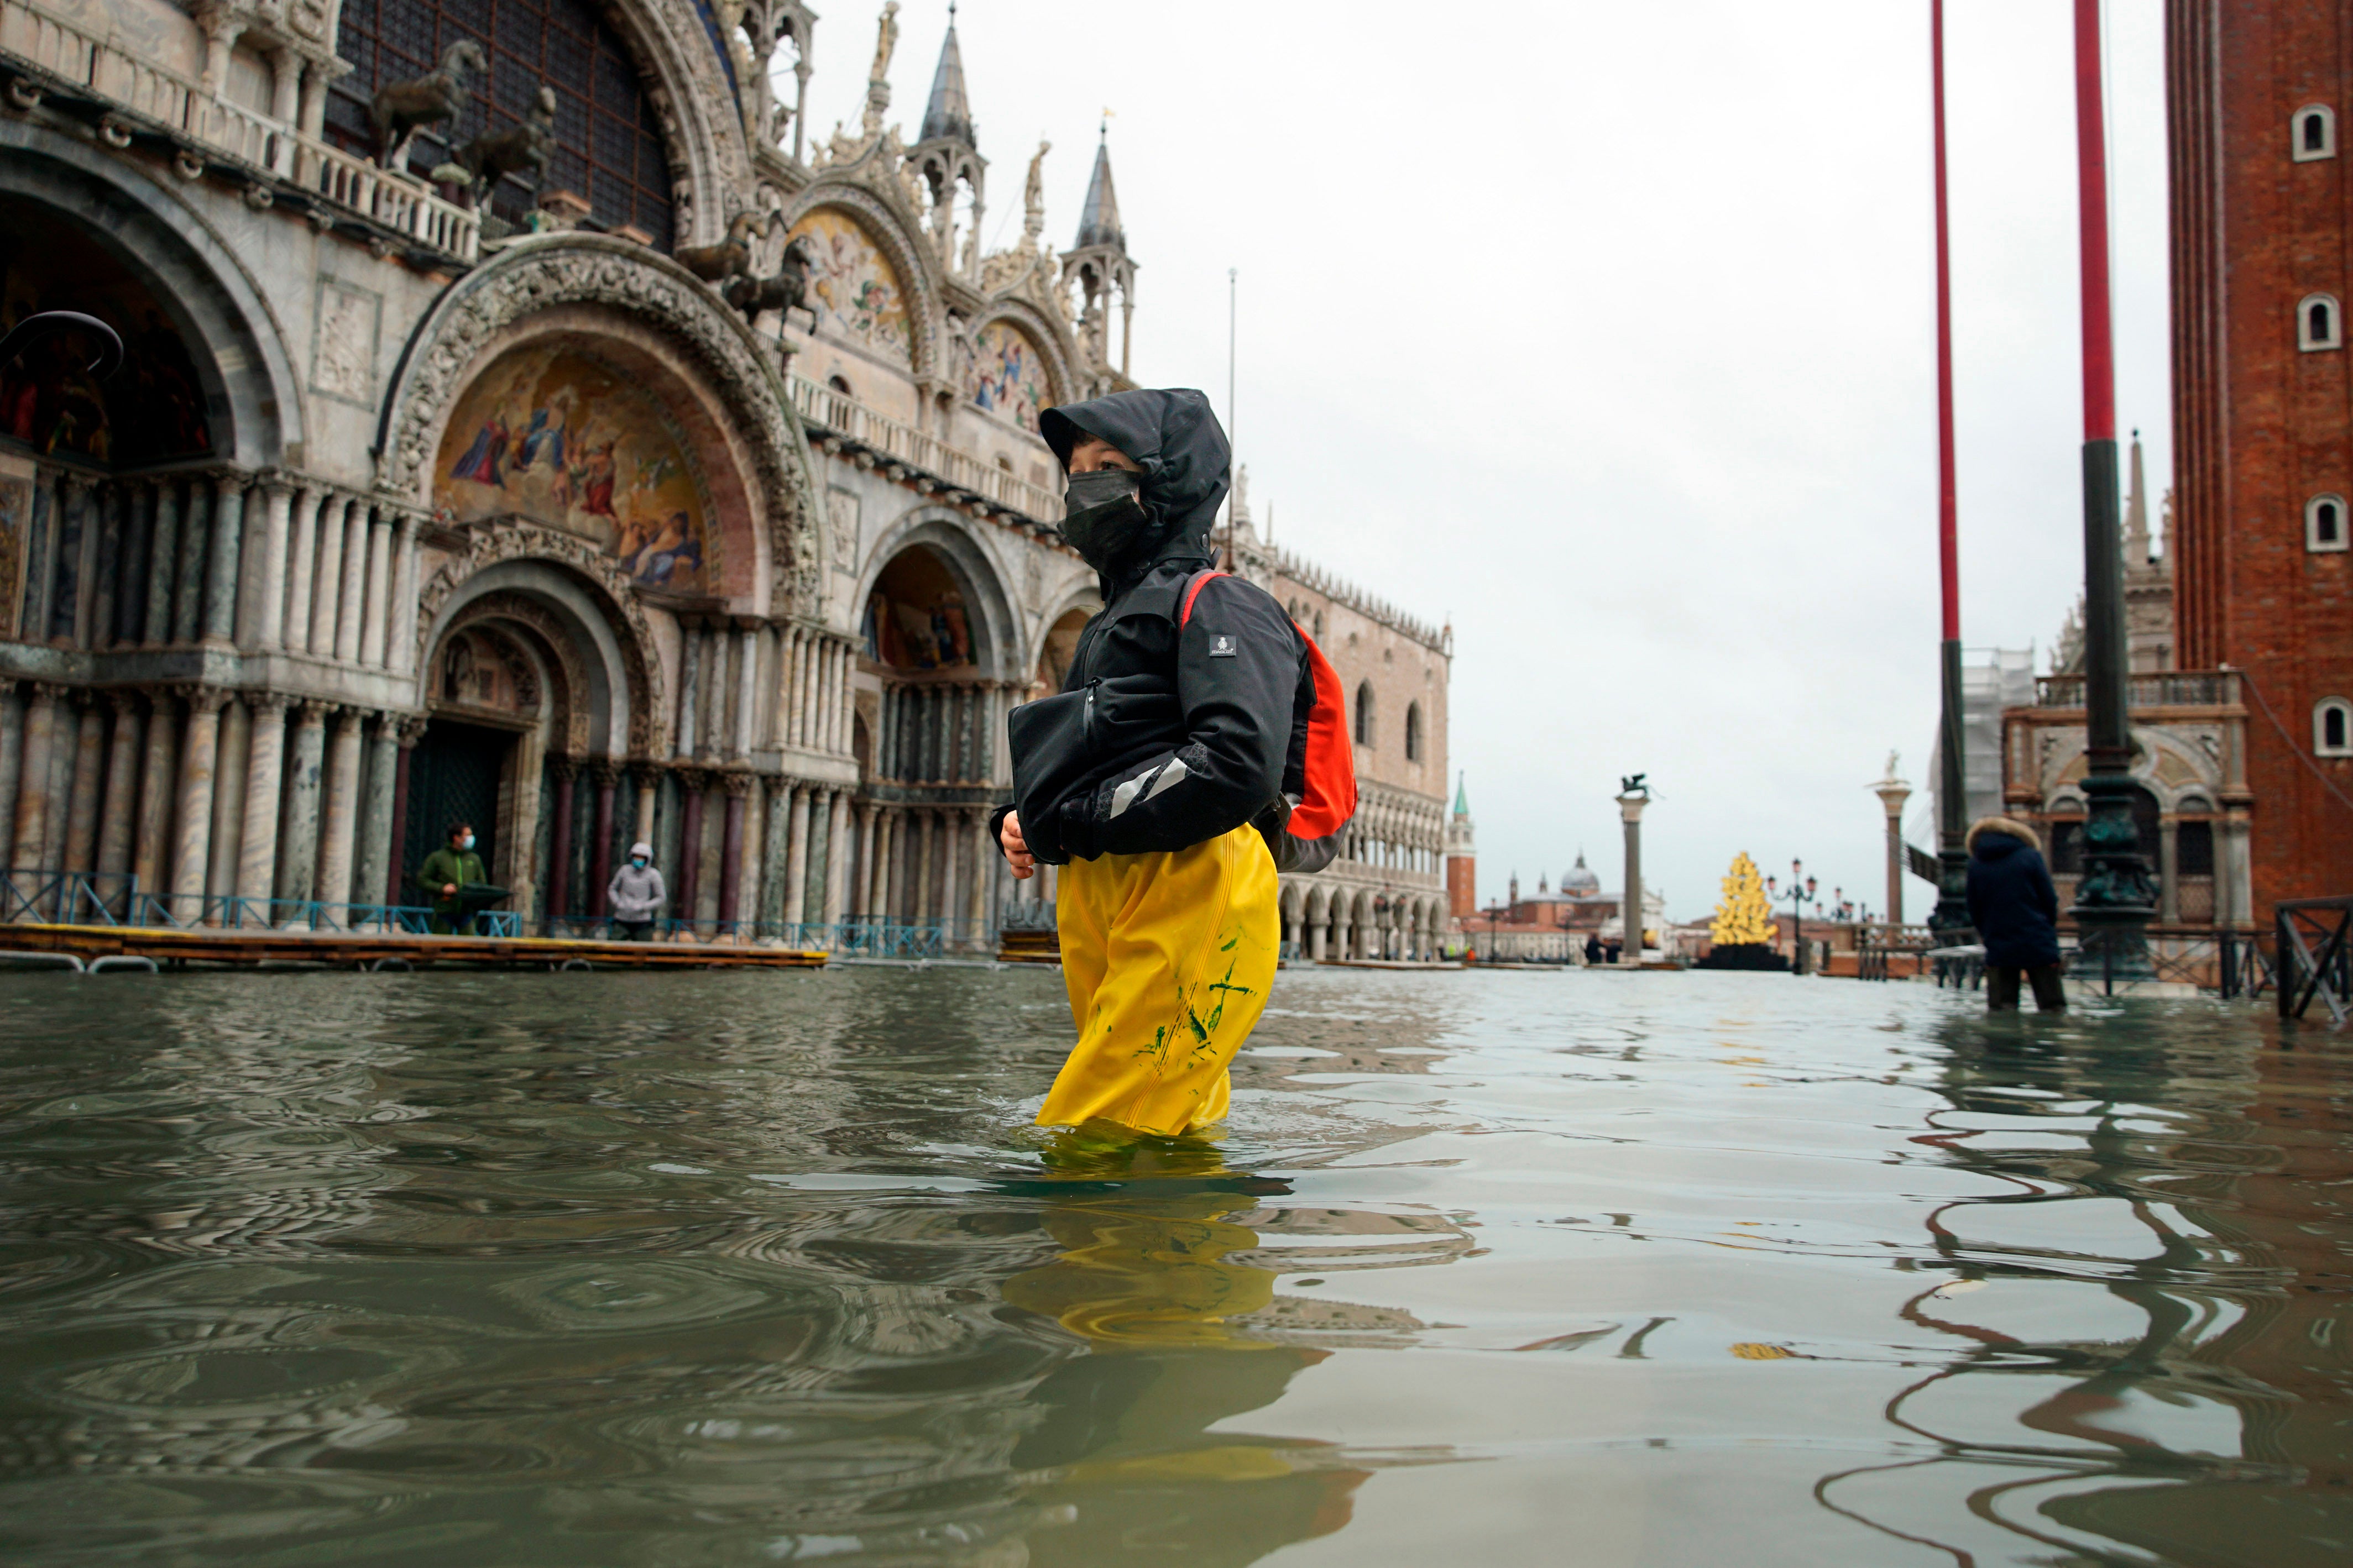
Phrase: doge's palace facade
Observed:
(683, 484)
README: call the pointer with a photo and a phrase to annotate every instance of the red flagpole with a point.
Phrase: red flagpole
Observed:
(1952, 910)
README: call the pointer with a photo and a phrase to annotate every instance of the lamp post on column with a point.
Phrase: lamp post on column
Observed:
(1633, 795)
(2115, 901)
(1892, 792)
(1952, 908)
(1801, 888)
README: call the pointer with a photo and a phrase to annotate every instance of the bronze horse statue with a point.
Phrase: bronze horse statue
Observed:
(730, 259)
(786, 291)
(401, 108)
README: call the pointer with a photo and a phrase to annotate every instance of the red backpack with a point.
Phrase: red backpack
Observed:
(1329, 799)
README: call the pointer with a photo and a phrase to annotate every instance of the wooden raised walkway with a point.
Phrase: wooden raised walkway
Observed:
(345, 950)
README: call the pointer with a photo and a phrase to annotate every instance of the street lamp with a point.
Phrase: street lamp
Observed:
(1801, 888)
(1495, 914)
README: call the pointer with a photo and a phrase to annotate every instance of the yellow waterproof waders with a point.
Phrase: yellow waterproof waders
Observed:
(1168, 958)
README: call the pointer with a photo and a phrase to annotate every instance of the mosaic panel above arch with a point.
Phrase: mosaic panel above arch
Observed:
(1008, 376)
(552, 434)
(853, 286)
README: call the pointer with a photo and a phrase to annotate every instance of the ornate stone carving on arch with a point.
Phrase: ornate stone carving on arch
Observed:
(889, 225)
(534, 276)
(525, 542)
(556, 643)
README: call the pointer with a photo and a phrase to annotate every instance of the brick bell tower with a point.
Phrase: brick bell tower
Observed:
(1462, 859)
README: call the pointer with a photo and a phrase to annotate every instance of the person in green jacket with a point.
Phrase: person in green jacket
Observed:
(445, 871)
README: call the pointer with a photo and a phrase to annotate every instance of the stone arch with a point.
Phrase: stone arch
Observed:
(253, 393)
(577, 602)
(997, 645)
(566, 282)
(897, 237)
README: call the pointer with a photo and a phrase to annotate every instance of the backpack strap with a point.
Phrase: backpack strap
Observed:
(1193, 586)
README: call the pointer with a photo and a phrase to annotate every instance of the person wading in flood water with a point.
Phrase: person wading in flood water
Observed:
(1196, 748)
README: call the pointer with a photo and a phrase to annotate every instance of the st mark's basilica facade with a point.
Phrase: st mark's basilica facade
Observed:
(525, 419)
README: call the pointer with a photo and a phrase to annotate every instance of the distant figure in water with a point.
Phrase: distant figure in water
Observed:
(2016, 911)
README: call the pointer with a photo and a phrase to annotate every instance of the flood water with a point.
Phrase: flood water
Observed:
(1486, 1267)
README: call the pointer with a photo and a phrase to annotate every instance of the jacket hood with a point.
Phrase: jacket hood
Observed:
(1174, 438)
(645, 849)
(1998, 826)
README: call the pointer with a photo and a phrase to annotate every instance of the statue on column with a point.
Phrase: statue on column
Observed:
(878, 86)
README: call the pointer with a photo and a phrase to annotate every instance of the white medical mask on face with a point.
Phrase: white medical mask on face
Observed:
(466, 842)
(638, 861)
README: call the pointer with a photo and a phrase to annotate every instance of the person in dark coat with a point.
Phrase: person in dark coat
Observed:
(2016, 911)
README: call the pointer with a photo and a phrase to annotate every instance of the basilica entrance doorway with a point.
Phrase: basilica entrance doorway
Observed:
(454, 777)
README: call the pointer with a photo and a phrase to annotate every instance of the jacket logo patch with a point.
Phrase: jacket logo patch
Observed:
(1222, 645)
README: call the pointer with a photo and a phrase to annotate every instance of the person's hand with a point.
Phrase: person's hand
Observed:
(449, 889)
(1017, 849)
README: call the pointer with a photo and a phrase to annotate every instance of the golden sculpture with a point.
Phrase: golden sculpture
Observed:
(1744, 918)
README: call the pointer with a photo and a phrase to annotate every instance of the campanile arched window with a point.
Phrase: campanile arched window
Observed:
(608, 143)
(2319, 323)
(2332, 727)
(2312, 133)
(2324, 523)
(1364, 714)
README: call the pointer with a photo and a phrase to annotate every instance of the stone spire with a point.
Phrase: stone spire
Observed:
(1099, 218)
(2137, 544)
(1462, 805)
(948, 116)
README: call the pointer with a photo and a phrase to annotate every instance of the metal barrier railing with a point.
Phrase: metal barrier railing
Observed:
(2306, 971)
(857, 936)
(115, 899)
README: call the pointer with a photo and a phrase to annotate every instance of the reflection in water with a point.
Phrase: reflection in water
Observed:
(720, 1269)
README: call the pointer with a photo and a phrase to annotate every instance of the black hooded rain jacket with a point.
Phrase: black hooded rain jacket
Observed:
(1163, 739)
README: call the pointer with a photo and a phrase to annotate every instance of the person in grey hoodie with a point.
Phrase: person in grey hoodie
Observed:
(635, 894)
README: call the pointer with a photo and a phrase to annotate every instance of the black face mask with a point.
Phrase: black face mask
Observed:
(1105, 522)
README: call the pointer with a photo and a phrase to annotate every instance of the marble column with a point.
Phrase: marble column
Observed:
(339, 823)
(372, 871)
(923, 902)
(269, 586)
(349, 608)
(749, 859)
(265, 766)
(162, 563)
(37, 760)
(796, 858)
(192, 811)
(688, 883)
(805, 722)
(869, 858)
(566, 773)
(138, 539)
(737, 785)
(690, 673)
(151, 849)
(231, 744)
(227, 544)
(402, 653)
(648, 790)
(406, 731)
(775, 821)
(606, 772)
(107, 568)
(301, 560)
(12, 764)
(188, 578)
(2168, 863)
(836, 841)
(787, 640)
(747, 691)
(377, 618)
(82, 795)
(70, 617)
(327, 575)
(117, 820)
(298, 856)
(984, 870)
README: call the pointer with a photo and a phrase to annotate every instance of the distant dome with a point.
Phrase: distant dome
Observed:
(1579, 880)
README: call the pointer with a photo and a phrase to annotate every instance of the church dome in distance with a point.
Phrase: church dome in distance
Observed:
(1579, 880)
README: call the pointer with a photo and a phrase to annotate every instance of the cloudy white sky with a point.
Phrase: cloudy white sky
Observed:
(1606, 333)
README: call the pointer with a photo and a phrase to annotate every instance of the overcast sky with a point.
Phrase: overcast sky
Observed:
(1607, 332)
